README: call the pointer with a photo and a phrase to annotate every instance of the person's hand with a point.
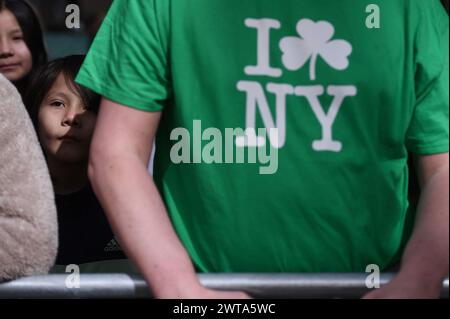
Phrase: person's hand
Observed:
(407, 287)
(217, 294)
(208, 294)
(197, 291)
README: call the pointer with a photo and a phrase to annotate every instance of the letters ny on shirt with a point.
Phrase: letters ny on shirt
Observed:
(314, 41)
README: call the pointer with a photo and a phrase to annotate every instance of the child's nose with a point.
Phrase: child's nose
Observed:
(72, 118)
(5, 48)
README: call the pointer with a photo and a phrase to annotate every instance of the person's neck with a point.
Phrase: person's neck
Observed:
(67, 178)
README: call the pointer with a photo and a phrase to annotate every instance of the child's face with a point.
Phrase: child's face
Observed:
(15, 57)
(65, 127)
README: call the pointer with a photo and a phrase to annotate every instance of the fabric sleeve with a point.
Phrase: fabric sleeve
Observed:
(428, 130)
(127, 62)
(28, 222)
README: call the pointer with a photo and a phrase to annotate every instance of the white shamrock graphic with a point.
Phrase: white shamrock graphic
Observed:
(314, 41)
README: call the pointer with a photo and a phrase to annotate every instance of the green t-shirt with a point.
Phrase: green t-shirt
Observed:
(352, 86)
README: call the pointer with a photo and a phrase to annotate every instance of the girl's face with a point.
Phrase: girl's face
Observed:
(15, 58)
(65, 126)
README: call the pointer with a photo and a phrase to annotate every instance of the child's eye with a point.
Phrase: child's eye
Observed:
(18, 38)
(57, 104)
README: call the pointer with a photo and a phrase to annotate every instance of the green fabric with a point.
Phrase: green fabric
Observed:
(335, 209)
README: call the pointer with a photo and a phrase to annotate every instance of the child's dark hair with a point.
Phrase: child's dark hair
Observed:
(32, 33)
(43, 79)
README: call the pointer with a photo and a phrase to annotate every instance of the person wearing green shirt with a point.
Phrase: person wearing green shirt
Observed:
(282, 133)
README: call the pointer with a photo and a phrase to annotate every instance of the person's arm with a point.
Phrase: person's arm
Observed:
(425, 261)
(120, 152)
(28, 225)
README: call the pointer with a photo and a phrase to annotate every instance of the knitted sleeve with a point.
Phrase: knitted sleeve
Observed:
(28, 225)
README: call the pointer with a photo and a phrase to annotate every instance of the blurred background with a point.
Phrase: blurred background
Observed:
(445, 3)
(62, 41)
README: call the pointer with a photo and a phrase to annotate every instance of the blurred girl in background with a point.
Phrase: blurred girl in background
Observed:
(22, 48)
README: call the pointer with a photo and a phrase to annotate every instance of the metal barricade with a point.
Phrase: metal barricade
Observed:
(330, 285)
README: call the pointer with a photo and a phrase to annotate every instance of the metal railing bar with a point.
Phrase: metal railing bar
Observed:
(320, 285)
